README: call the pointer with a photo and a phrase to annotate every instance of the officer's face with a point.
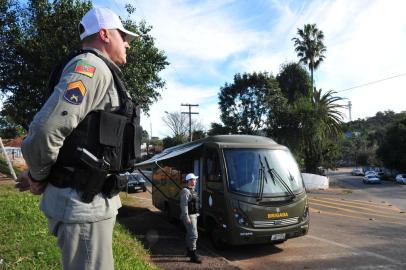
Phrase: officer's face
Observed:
(117, 47)
(192, 182)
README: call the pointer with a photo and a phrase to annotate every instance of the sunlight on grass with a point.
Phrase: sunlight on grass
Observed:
(26, 244)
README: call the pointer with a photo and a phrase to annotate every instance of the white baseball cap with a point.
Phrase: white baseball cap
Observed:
(98, 18)
(190, 176)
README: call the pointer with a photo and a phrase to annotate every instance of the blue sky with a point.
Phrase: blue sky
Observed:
(207, 42)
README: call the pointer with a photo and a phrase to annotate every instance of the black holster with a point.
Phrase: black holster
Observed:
(89, 182)
(114, 184)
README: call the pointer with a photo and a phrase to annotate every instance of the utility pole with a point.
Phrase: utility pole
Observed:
(190, 117)
(349, 109)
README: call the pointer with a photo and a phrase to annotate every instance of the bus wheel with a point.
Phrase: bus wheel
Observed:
(216, 239)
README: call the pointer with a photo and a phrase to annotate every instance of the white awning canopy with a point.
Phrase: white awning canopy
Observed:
(166, 154)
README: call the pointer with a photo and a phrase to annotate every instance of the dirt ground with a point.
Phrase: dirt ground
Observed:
(165, 240)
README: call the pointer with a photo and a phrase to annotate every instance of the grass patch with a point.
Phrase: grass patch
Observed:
(4, 167)
(26, 244)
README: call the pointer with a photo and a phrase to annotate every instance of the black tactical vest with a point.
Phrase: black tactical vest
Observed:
(193, 203)
(112, 136)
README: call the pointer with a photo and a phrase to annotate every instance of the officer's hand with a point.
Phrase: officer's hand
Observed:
(24, 182)
(188, 221)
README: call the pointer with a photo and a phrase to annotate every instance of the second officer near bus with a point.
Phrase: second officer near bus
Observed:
(189, 202)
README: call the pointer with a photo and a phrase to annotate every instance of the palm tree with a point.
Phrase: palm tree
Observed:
(322, 124)
(328, 112)
(310, 47)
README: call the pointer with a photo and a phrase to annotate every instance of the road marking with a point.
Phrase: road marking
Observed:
(373, 214)
(357, 202)
(357, 250)
(341, 203)
(312, 209)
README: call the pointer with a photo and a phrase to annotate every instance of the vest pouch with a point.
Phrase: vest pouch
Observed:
(111, 137)
(128, 151)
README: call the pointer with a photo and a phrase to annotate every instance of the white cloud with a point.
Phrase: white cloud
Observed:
(176, 94)
(201, 30)
(207, 42)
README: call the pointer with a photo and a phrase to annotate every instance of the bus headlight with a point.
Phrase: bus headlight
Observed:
(239, 218)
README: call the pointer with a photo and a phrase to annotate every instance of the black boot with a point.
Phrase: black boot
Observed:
(188, 253)
(194, 258)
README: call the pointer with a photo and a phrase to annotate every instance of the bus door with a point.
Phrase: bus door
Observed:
(213, 202)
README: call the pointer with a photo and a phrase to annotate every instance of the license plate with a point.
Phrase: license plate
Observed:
(279, 236)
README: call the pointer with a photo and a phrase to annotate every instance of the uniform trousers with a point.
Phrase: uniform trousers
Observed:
(85, 246)
(191, 232)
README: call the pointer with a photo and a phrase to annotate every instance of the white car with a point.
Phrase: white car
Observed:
(401, 178)
(373, 173)
(371, 179)
(357, 172)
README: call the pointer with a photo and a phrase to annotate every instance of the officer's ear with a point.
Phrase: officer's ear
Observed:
(104, 35)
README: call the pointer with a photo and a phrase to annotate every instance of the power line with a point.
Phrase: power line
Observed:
(373, 82)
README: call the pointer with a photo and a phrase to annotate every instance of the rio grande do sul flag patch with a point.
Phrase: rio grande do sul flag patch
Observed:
(75, 92)
(84, 68)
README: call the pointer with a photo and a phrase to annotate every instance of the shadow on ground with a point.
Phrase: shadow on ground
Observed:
(165, 241)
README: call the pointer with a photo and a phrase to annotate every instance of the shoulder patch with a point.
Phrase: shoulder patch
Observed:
(84, 68)
(75, 92)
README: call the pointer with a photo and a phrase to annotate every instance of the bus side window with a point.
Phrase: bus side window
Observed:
(212, 170)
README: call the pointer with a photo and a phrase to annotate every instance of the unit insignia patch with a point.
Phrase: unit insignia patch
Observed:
(75, 92)
(84, 68)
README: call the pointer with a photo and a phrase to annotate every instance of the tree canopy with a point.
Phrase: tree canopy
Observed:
(393, 149)
(247, 103)
(36, 35)
(294, 82)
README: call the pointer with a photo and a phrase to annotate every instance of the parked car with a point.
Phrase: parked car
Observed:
(357, 171)
(401, 178)
(373, 173)
(371, 179)
(135, 183)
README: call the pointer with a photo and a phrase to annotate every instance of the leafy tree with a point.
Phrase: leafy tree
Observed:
(156, 141)
(310, 47)
(144, 62)
(309, 126)
(325, 126)
(294, 82)
(218, 129)
(35, 36)
(9, 130)
(173, 141)
(365, 136)
(393, 150)
(247, 103)
(145, 137)
(198, 134)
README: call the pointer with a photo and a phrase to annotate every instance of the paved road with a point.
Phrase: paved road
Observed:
(357, 226)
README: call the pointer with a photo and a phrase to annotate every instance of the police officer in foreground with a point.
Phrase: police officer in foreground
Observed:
(189, 202)
(81, 140)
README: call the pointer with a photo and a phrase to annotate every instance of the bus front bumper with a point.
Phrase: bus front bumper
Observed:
(244, 236)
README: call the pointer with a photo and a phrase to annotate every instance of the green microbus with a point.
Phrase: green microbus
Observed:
(251, 190)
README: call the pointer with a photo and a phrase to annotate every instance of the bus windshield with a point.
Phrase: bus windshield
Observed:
(251, 172)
